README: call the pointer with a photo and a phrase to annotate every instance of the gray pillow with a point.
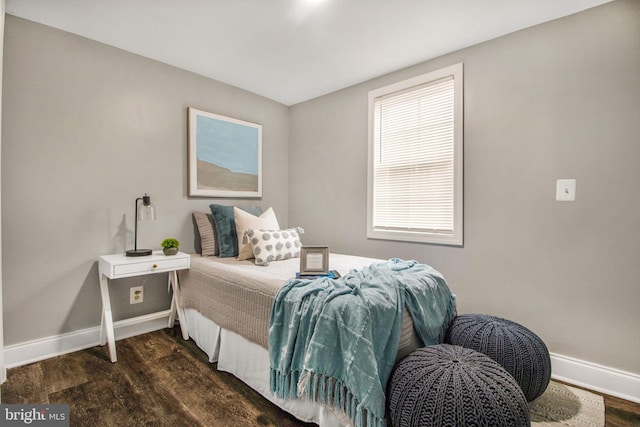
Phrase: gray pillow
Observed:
(204, 234)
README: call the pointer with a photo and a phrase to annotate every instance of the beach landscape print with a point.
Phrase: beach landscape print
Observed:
(225, 156)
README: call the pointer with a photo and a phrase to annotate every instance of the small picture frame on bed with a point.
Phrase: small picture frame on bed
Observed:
(314, 260)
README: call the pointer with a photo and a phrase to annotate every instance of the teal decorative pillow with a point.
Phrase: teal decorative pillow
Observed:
(225, 228)
(274, 245)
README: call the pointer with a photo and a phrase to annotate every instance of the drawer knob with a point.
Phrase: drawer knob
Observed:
(155, 265)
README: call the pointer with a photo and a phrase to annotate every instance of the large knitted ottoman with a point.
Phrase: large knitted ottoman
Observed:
(444, 385)
(521, 352)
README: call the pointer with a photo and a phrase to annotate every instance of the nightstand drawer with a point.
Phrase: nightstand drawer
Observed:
(119, 266)
(151, 266)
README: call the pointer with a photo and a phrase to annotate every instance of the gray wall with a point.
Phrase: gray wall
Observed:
(560, 100)
(87, 128)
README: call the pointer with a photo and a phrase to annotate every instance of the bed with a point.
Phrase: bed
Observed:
(236, 299)
(227, 304)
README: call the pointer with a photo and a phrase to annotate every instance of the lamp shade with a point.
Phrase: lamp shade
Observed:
(147, 211)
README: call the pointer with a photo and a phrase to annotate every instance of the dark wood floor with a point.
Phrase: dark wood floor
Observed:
(621, 413)
(161, 380)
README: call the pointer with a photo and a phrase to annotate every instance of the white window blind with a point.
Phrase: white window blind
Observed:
(414, 159)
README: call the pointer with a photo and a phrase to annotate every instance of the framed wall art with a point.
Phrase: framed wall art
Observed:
(225, 156)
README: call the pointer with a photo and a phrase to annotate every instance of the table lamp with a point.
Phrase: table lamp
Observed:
(143, 213)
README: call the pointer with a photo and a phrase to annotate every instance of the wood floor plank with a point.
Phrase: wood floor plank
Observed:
(63, 372)
(153, 347)
(199, 393)
(621, 413)
(27, 385)
(155, 402)
(261, 406)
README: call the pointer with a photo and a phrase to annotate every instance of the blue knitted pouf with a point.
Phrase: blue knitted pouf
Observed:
(521, 352)
(444, 385)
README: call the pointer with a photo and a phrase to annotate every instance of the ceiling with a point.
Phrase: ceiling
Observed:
(293, 50)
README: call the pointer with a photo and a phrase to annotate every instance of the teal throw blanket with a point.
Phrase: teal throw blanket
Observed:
(335, 341)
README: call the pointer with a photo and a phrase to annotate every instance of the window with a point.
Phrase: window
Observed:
(415, 159)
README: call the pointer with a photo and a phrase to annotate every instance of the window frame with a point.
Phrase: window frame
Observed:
(456, 237)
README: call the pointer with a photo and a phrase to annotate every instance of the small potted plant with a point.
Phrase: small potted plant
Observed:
(170, 246)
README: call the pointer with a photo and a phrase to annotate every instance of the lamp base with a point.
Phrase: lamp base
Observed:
(138, 252)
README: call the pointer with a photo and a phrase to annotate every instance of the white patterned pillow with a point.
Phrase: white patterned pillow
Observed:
(274, 245)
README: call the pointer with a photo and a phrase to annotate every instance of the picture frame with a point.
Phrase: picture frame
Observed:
(224, 156)
(314, 260)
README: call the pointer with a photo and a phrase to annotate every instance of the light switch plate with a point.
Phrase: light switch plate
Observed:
(566, 190)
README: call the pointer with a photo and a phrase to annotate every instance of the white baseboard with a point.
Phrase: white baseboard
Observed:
(45, 348)
(603, 379)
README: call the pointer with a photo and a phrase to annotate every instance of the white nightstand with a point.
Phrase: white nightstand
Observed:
(119, 266)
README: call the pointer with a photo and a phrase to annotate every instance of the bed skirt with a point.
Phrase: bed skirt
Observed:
(250, 363)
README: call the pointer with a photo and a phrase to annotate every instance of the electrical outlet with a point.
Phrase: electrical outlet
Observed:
(136, 295)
